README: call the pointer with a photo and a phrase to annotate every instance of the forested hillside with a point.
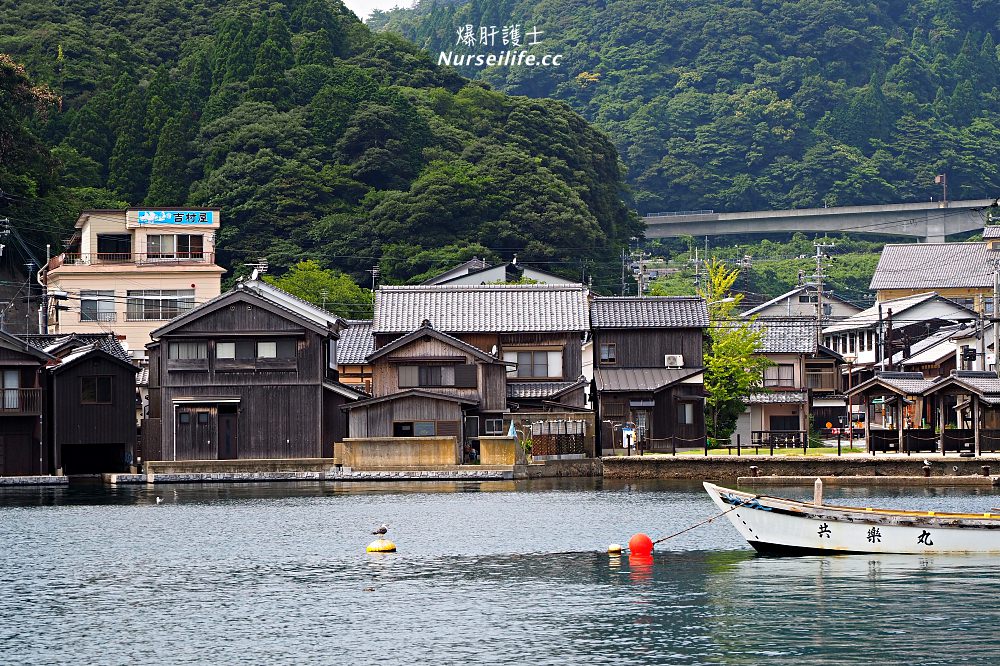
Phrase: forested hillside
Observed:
(750, 104)
(317, 139)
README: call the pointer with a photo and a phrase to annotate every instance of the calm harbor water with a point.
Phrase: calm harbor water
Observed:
(486, 573)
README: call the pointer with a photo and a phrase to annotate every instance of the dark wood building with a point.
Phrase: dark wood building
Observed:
(92, 412)
(23, 428)
(250, 374)
(648, 374)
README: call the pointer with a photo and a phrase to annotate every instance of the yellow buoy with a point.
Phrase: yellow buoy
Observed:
(381, 546)
(615, 548)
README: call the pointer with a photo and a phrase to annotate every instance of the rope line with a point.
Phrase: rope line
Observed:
(706, 521)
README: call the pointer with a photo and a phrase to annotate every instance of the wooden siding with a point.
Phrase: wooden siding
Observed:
(75, 423)
(283, 411)
(376, 420)
(646, 348)
(272, 422)
(236, 319)
(493, 380)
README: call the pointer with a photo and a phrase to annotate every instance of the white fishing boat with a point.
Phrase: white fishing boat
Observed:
(778, 526)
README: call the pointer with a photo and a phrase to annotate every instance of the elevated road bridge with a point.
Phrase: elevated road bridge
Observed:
(930, 221)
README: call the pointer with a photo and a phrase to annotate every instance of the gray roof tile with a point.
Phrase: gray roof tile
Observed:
(538, 390)
(787, 335)
(778, 397)
(106, 342)
(356, 342)
(929, 266)
(991, 231)
(482, 308)
(649, 312)
(640, 379)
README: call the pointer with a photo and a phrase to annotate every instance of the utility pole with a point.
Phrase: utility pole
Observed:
(27, 310)
(996, 321)
(623, 271)
(818, 277)
(942, 180)
(45, 289)
(374, 270)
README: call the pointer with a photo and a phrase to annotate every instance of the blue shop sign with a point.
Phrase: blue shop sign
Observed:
(176, 217)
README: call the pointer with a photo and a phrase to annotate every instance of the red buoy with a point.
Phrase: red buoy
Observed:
(640, 544)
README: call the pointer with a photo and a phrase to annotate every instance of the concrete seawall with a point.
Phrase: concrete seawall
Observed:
(725, 468)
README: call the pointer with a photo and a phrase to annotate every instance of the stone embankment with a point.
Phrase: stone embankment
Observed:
(725, 468)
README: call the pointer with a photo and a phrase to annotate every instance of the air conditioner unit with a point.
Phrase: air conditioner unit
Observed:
(673, 361)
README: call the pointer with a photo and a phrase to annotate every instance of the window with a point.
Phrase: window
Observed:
(11, 389)
(494, 427)
(277, 349)
(153, 304)
(613, 408)
(95, 390)
(459, 376)
(808, 297)
(267, 350)
(225, 350)
(114, 247)
(97, 305)
(187, 350)
(184, 418)
(414, 429)
(685, 413)
(202, 418)
(528, 364)
(609, 353)
(780, 375)
(179, 246)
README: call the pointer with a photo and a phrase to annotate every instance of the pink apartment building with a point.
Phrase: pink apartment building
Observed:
(128, 271)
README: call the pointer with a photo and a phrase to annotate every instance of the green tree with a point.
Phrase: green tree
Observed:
(128, 169)
(326, 288)
(168, 182)
(733, 367)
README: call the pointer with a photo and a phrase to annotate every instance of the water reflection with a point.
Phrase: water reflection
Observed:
(488, 573)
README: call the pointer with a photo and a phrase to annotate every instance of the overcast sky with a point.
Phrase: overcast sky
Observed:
(364, 7)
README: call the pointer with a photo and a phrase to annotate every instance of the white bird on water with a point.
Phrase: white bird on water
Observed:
(927, 463)
(159, 500)
(381, 531)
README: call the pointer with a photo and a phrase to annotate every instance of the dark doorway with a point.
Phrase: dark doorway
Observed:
(228, 434)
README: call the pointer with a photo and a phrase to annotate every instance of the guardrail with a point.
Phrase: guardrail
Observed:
(136, 258)
(674, 213)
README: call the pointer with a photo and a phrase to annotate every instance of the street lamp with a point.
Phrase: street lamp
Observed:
(729, 299)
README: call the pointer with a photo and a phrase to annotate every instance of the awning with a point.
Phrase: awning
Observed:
(829, 402)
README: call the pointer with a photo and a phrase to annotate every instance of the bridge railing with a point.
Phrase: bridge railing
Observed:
(673, 213)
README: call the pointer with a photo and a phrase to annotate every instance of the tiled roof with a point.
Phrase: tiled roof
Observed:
(142, 379)
(538, 390)
(356, 342)
(905, 383)
(991, 231)
(827, 295)
(482, 308)
(105, 342)
(787, 335)
(983, 383)
(640, 379)
(778, 397)
(649, 312)
(470, 266)
(870, 317)
(930, 266)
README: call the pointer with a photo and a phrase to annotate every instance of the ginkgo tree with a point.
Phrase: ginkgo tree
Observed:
(734, 367)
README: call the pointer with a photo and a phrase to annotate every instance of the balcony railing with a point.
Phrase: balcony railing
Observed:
(21, 401)
(137, 259)
(824, 380)
(107, 317)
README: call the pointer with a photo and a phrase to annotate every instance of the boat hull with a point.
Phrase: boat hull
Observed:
(778, 526)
